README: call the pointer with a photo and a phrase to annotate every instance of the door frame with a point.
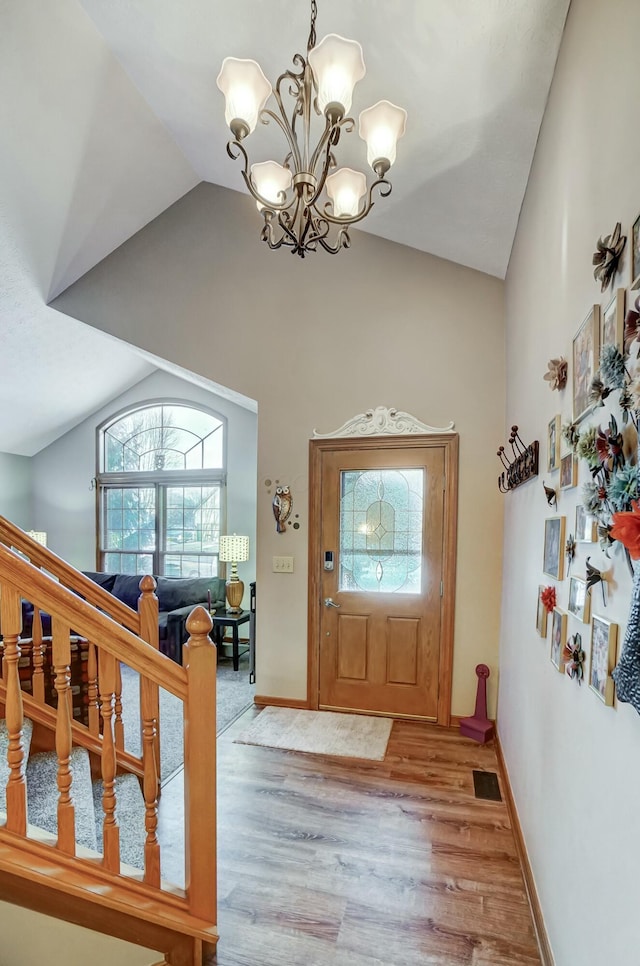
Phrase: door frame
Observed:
(449, 442)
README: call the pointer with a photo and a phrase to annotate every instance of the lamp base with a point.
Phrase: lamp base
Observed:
(235, 592)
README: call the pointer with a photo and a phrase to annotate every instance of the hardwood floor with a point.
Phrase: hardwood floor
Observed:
(350, 863)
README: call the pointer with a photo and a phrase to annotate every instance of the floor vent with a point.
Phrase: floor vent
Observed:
(485, 785)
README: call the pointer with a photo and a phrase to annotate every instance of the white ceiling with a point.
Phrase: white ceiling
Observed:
(114, 114)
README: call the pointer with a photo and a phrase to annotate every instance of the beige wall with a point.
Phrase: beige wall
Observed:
(316, 342)
(573, 762)
(15, 489)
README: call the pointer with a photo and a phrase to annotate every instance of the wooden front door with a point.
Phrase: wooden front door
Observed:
(383, 531)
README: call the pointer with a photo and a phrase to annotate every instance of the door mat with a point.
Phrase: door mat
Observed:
(320, 733)
(485, 785)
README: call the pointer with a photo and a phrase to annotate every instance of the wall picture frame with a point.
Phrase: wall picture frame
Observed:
(553, 444)
(635, 254)
(568, 471)
(602, 658)
(586, 529)
(586, 356)
(612, 327)
(579, 601)
(542, 614)
(553, 556)
(558, 638)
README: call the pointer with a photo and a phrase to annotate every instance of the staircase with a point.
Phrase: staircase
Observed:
(78, 813)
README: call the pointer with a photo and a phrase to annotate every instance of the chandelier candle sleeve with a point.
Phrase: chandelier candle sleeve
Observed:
(306, 201)
(234, 549)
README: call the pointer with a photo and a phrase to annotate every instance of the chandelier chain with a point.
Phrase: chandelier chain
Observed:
(312, 33)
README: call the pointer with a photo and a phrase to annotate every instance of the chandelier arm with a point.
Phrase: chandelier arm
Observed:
(235, 154)
(380, 183)
(326, 142)
(342, 241)
(287, 130)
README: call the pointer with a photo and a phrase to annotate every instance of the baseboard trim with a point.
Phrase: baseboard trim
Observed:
(544, 946)
(264, 699)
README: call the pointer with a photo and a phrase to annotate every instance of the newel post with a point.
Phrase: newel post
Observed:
(148, 614)
(200, 658)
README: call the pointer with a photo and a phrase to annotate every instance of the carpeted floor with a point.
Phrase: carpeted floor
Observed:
(320, 733)
(234, 695)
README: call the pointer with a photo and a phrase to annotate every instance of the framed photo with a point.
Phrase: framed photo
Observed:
(558, 638)
(579, 601)
(553, 444)
(586, 356)
(568, 471)
(612, 332)
(553, 558)
(586, 526)
(541, 615)
(604, 637)
(635, 254)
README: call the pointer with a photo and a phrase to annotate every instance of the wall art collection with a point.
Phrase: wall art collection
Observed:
(601, 448)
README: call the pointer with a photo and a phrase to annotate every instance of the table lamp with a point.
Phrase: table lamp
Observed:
(234, 550)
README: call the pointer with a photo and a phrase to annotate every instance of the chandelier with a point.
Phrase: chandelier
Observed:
(307, 200)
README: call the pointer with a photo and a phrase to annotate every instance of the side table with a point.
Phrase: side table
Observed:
(225, 618)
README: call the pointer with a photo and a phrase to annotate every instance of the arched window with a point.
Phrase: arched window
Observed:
(161, 484)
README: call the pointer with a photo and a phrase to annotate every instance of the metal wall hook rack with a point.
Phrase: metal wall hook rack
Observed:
(523, 466)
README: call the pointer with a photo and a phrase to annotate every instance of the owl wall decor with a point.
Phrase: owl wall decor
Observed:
(282, 505)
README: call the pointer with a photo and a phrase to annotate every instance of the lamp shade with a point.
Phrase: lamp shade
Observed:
(345, 189)
(381, 126)
(271, 180)
(337, 65)
(246, 90)
(234, 549)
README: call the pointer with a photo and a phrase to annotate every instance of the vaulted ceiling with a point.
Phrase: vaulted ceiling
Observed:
(114, 114)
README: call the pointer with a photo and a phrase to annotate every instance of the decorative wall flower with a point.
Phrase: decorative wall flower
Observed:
(557, 374)
(586, 446)
(548, 598)
(593, 577)
(574, 664)
(607, 256)
(634, 391)
(626, 528)
(612, 368)
(598, 392)
(605, 540)
(594, 498)
(622, 488)
(550, 494)
(628, 404)
(571, 435)
(610, 446)
(570, 551)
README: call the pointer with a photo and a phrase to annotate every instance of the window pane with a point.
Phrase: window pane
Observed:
(192, 565)
(164, 438)
(381, 523)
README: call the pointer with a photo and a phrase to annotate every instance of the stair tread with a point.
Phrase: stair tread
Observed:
(42, 794)
(27, 730)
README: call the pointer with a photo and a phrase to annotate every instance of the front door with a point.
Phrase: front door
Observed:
(381, 579)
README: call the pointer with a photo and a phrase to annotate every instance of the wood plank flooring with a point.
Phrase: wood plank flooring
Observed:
(350, 863)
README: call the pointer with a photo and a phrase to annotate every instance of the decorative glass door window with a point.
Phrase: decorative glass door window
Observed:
(381, 526)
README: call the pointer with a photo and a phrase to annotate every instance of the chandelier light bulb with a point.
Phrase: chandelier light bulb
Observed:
(337, 65)
(381, 126)
(345, 189)
(246, 91)
(271, 180)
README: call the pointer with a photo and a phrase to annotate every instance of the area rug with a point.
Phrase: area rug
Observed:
(320, 733)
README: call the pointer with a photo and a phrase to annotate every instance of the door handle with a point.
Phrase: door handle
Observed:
(328, 602)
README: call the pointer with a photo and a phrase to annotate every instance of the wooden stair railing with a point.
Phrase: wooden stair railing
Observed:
(185, 920)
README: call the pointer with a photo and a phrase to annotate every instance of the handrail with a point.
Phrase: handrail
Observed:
(13, 536)
(98, 627)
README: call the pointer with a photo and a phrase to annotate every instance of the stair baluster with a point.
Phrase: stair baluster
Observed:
(92, 690)
(150, 783)
(148, 614)
(111, 832)
(118, 723)
(11, 619)
(61, 659)
(38, 648)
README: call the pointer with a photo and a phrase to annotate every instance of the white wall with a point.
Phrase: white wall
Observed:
(29, 938)
(573, 762)
(64, 504)
(15, 489)
(315, 342)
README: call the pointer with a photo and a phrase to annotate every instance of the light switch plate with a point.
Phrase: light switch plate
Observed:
(283, 565)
